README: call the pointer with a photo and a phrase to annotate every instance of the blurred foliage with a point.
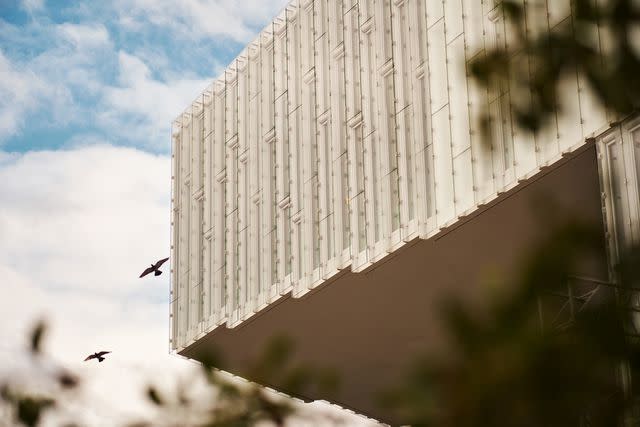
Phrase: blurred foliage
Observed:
(235, 402)
(511, 366)
(610, 63)
(28, 408)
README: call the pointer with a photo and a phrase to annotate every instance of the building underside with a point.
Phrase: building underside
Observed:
(370, 326)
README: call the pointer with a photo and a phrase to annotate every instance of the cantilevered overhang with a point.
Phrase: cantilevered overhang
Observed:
(370, 326)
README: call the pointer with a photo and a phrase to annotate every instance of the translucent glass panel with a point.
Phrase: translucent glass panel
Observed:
(344, 130)
(619, 162)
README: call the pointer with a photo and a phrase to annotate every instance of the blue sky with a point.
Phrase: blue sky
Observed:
(86, 71)
(88, 91)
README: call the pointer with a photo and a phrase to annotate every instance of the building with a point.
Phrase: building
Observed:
(334, 185)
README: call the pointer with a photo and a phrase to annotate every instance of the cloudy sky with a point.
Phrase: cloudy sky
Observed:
(88, 91)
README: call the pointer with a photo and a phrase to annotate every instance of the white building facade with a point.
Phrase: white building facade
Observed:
(350, 128)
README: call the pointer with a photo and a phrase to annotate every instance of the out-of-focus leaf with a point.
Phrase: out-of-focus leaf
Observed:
(154, 396)
(36, 337)
(30, 409)
(275, 412)
(67, 380)
(328, 380)
(273, 360)
(5, 394)
(297, 380)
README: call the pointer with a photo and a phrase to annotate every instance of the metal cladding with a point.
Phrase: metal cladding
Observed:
(345, 130)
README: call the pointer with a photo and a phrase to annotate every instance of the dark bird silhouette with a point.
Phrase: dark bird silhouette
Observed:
(98, 355)
(155, 268)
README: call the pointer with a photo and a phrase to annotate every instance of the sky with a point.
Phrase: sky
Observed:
(88, 91)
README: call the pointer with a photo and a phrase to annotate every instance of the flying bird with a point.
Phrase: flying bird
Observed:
(155, 268)
(98, 355)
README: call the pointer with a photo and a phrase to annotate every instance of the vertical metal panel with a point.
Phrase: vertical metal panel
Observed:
(242, 82)
(460, 133)
(294, 92)
(325, 191)
(472, 12)
(196, 232)
(324, 140)
(546, 143)
(185, 216)
(502, 142)
(283, 200)
(309, 145)
(389, 218)
(231, 184)
(321, 55)
(244, 296)
(458, 99)
(427, 191)
(463, 182)
(370, 140)
(519, 146)
(559, 10)
(339, 157)
(453, 19)
(255, 233)
(437, 67)
(592, 114)
(196, 146)
(355, 130)
(421, 126)
(208, 219)
(443, 167)
(569, 133)
(435, 12)
(219, 206)
(406, 146)
(267, 151)
(174, 340)
(482, 157)
(280, 54)
(368, 73)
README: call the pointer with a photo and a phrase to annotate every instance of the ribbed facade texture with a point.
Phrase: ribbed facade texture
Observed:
(345, 130)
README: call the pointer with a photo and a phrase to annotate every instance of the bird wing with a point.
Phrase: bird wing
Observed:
(147, 271)
(102, 353)
(92, 356)
(159, 263)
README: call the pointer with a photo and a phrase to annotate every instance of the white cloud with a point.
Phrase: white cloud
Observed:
(141, 107)
(77, 227)
(41, 90)
(21, 92)
(98, 206)
(84, 35)
(202, 18)
(33, 5)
